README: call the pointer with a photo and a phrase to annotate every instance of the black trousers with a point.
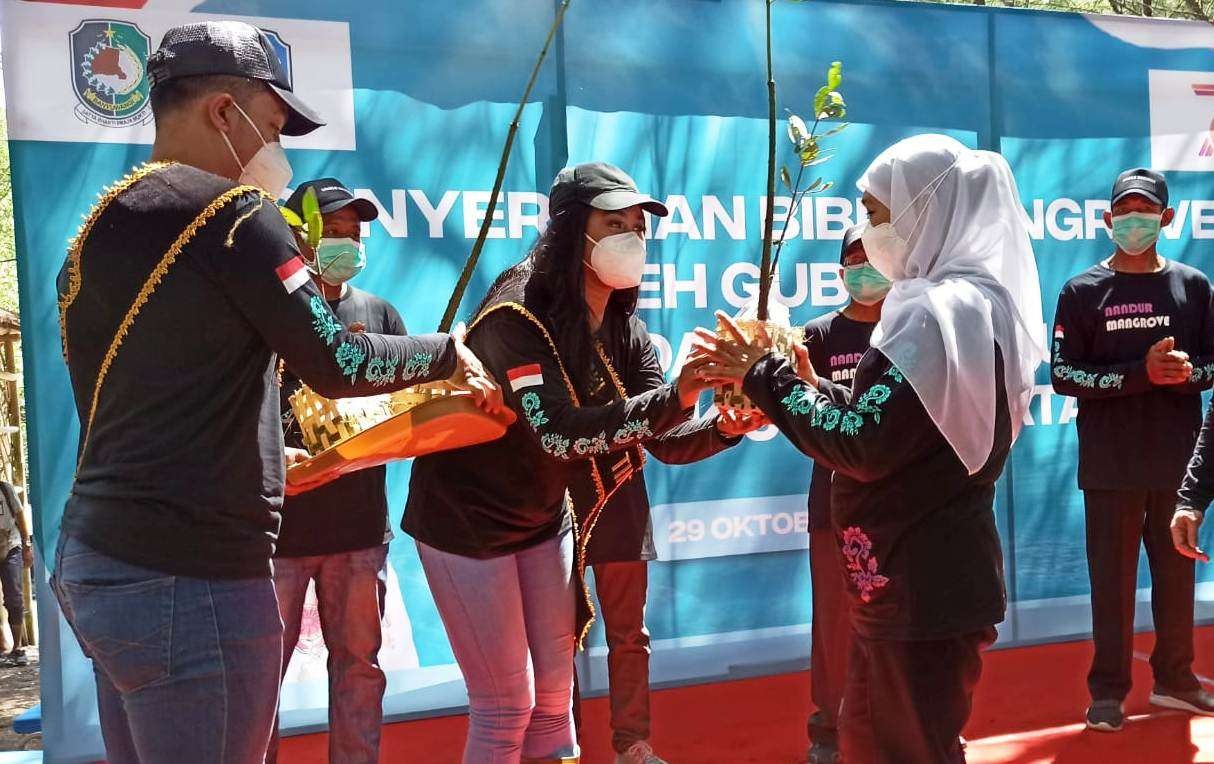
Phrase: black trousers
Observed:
(831, 636)
(906, 702)
(1117, 523)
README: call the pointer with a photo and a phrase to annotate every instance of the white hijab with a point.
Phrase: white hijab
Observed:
(970, 282)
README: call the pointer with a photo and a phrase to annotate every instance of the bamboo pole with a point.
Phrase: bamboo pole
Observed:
(465, 276)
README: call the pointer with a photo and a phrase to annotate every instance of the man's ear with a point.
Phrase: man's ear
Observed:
(1108, 219)
(219, 109)
(1168, 216)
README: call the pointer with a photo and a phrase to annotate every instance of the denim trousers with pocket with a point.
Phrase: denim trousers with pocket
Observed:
(187, 669)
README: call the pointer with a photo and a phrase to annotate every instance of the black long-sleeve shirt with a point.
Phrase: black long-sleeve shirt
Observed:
(835, 344)
(183, 469)
(1197, 489)
(1133, 435)
(351, 512)
(624, 531)
(917, 533)
(501, 497)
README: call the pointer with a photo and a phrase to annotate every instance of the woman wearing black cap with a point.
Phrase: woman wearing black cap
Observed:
(496, 534)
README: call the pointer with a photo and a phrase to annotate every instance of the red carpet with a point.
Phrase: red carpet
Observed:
(1029, 708)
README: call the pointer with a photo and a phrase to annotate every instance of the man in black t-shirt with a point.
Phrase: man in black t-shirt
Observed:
(337, 535)
(178, 293)
(1134, 343)
(835, 342)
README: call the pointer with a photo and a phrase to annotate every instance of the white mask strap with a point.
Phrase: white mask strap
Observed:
(264, 142)
(933, 186)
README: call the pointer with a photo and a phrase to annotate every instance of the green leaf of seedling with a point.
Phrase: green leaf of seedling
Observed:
(292, 219)
(312, 216)
(821, 99)
(814, 186)
(797, 132)
(314, 234)
(820, 160)
(835, 130)
(834, 75)
(827, 186)
(785, 178)
(809, 152)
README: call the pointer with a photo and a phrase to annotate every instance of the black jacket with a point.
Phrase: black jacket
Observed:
(624, 531)
(917, 533)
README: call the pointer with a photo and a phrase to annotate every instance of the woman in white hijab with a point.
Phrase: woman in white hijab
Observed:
(919, 442)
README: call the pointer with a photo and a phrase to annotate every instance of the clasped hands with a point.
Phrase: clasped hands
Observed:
(1166, 365)
(727, 356)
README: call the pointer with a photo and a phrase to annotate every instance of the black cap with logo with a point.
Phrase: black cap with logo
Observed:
(232, 48)
(1143, 182)
(850, 238)
(602, 186)
(332, 196)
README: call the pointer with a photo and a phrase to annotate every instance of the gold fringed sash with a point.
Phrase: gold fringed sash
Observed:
(149, 286)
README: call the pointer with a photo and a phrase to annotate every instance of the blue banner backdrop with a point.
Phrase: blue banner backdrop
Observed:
(673, 91)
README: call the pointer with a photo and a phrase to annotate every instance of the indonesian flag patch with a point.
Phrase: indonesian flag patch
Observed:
(525, 376)
(293, 274)
(1058, 333)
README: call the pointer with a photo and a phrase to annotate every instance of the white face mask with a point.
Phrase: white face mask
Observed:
(618, 260)
(269, 168)
(886, 250)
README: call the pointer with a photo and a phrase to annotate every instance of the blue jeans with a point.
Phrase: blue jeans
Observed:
(350, 592)
(510, 623)
(187, 669)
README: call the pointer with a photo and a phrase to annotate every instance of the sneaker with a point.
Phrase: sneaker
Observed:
(639, 753)
(19, 659)
(824, 753)
(1105, 716)
(1195, 702)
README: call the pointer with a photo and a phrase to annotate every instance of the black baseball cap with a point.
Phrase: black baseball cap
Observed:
(232, 48)
(852, 236)
(602, 186)
(1143, 182)
(332, 196)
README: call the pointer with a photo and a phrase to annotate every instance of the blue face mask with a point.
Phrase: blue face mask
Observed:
(1136, 232)
(339, 260)
(865, 283)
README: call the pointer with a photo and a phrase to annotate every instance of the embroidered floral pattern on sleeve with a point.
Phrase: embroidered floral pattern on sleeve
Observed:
(323, 320)
(555, 445)
(381, 372)
(595, 445)
(1112, 380)
(862, 567)
(417, 365)
(848, 420)
(633, 429)
(1202, 374)
(533, 410)
(349, 358)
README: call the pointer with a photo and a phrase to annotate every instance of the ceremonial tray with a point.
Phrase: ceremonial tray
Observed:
(356, 433)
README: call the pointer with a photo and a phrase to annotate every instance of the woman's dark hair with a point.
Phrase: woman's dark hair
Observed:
(551, 280)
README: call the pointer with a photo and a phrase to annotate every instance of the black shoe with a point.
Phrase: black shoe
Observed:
(1105, 716)
(821, 753)
(1197, 702)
